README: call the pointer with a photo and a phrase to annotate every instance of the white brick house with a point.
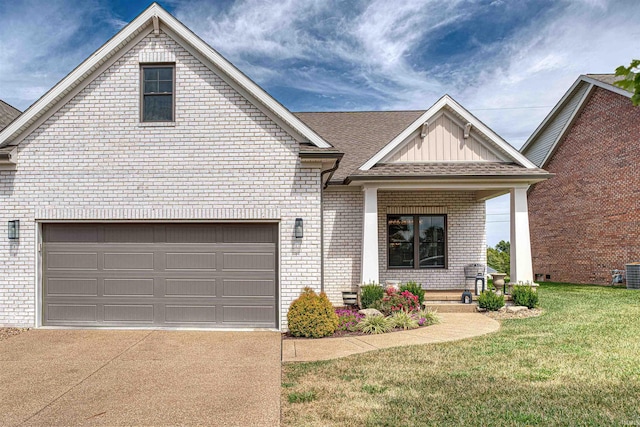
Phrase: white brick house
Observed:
(156, 185)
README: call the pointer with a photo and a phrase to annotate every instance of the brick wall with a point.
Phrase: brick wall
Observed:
(342, 242)
(223, 159)
(585, 221)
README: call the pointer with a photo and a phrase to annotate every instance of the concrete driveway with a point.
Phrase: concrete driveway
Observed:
(89, 377)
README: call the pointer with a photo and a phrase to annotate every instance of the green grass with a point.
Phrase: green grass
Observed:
(577, 364)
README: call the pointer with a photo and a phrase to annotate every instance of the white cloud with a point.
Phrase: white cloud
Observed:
(42, 41)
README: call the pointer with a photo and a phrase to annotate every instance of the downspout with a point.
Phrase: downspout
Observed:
(322, 188)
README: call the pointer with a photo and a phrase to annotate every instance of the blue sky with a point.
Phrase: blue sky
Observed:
(507, 61)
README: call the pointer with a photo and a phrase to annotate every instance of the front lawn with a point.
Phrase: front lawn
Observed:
(577, 364)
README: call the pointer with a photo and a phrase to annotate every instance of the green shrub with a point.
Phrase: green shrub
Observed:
(370, 293)
(427, 317)
(525, 295)
(312, 315)
(415, 289)
(490, 301)
(376, 325)
(404, 320)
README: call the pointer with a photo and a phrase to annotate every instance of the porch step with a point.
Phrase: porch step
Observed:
(454, 295)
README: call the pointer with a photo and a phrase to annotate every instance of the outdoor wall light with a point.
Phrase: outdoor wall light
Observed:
(299, 229)
(14, 229)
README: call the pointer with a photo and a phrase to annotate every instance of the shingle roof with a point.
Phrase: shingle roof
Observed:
(7, 114)
(451, 170)
(605, 78)
(359, 135)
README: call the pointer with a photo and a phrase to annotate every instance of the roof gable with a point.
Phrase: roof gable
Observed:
(153, 18)
(7, 114)
(446, 103)
(544, 140)
(444, 138)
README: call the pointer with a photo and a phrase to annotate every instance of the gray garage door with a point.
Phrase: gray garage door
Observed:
(136, 274)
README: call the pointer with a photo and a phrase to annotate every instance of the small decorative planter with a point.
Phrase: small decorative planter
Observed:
(498, 281)
(350, 297)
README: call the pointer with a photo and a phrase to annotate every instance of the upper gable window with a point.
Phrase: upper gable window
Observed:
(157, 93)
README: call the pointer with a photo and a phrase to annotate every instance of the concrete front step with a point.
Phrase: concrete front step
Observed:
(454, 295)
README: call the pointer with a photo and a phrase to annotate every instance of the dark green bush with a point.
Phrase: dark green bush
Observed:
(490, 301)
(415, 289)
(312, 315)
(370, 293)
(525, 295)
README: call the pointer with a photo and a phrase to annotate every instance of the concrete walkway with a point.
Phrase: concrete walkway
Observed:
(452, 327)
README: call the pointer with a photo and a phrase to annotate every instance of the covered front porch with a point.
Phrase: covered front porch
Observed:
(428, 232)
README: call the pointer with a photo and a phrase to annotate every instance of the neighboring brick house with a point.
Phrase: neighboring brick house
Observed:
(585, 221)
(156, 185)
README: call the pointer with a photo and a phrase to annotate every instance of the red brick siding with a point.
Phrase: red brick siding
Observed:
(585, 221)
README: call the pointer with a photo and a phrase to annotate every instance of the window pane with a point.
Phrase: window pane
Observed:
(150, 73)
(158, 108)
(432, 236)
(165, 87)
(400, 230)
(165, 73)
(151, 87)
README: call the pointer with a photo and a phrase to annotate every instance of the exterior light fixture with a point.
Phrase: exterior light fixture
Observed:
(14, 229)
(299, 229)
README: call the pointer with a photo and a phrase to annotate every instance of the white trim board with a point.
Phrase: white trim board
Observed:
(46, 105)
(447, 101)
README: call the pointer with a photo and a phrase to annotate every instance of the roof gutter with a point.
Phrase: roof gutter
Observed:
(7, 157)
(528, 178)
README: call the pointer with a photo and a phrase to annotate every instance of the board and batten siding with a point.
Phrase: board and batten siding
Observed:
(222, 159)
(444, 141)
(539, 149)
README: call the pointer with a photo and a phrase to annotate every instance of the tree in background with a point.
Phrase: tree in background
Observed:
(631, 81)
(499, 258)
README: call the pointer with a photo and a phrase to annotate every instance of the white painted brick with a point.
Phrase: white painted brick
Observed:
(223, 159)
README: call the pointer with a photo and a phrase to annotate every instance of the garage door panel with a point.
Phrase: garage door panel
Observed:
(248, 261)
(191, 261)
(72, 287)
(72, 260)
(189, 288)
(248, 288)
(127, 287)
(128, 233)
(188, 274)
(182, 314)
(247, 313)
(128, 261)
(138, 313)
(72, 312)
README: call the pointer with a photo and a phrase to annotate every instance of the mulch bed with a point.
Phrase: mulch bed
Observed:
(6, 333)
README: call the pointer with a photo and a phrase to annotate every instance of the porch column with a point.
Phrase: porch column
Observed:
(370, 271)
(521, 264)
